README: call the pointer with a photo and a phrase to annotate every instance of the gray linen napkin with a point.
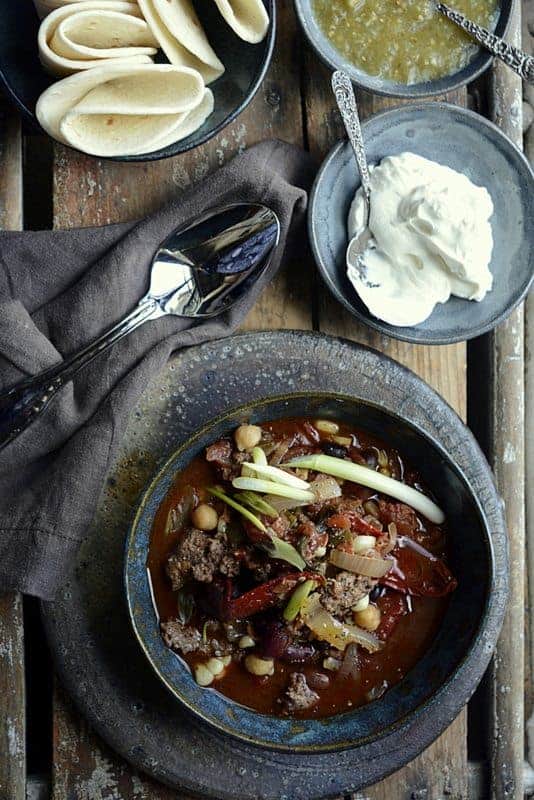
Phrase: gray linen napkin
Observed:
(59, 290)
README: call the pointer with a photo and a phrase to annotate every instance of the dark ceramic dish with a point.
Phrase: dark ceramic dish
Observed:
(420, 691)
(469, 144)
(24, 79)
(334, 59)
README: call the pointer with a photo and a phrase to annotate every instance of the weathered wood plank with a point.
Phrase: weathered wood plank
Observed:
(88, 191)
(442, 769)
(508, 462)
(12, 686)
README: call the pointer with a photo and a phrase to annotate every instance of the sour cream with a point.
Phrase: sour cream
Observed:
(431, 238)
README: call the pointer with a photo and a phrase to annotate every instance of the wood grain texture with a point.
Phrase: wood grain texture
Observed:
(88, 192)
(441, 771)
(12, 686)
(508, 462)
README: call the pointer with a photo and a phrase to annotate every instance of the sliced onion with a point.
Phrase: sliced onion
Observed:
(277, 475)
(325, 487)
(361, 565)
(350, 666)
(329, 629)
(363, 543)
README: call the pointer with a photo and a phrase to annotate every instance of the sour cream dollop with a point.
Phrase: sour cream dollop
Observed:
(431, 238)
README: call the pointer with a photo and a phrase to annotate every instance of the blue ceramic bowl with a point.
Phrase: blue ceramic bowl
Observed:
(335, 60)
(467, 143)
(24, 79)
(454, 656)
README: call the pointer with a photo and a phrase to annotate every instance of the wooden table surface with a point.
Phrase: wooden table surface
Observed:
(481, 754)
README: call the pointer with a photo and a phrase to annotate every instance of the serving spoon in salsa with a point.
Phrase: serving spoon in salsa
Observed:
(198, 272)
(513, 57)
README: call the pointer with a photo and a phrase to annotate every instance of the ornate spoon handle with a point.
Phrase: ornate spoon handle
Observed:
(346, 102)
(515, 58)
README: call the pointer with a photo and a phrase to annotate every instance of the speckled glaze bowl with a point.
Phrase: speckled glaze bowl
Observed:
(467, 143)
(24, 78)
(453, 660)
(334, 59)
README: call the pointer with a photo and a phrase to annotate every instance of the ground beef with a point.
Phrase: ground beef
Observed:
(402, 515)
(299, 696)
(187, 639)
(200, 556)
(226, 458)
(180, 637)
(343, 592)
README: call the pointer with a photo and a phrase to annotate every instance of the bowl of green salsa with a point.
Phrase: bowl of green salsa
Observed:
(401, 48)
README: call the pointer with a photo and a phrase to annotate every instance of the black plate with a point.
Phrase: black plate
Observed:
(24, 78)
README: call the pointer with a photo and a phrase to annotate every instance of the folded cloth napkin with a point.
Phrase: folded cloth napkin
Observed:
(59, 290)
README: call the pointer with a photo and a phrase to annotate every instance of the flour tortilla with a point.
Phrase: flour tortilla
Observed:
(160, 89)
(62, 97)
(247, 18)
(176, 26)
(116, 134)
(100, 33)
(60, 65)
(190, 123)
(110, 135)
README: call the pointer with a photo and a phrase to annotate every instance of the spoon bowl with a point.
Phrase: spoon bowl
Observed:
(199, 271)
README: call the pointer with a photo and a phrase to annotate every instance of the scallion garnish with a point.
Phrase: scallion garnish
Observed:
(349, 471)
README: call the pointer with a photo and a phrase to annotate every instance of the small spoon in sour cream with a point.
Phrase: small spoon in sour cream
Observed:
(346, 103)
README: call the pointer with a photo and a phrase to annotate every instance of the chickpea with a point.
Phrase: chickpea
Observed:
(326, 426)
(204, 517)
(246, 641)
(215, 666)
(203, 675)
(259, 666)
(369, 618)
(247, 436)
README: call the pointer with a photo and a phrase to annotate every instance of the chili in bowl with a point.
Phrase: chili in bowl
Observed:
(315, 580)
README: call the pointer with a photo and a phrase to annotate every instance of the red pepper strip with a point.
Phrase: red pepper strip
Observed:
(418, 572)
(349, 520)
(254, 534)
(392, 606)
(266, 595)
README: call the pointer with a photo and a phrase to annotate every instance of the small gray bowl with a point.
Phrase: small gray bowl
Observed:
(467, 143)
(334, 59)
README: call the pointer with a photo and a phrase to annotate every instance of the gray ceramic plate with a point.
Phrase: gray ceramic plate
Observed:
(95, 651)
(24, 78)
(467, 143)
(334, 59)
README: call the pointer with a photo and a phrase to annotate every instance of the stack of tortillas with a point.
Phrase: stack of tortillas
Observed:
(114, 100)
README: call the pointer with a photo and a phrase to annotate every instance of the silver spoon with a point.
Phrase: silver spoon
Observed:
(198, 272)
(512, 56)
(346, 102)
